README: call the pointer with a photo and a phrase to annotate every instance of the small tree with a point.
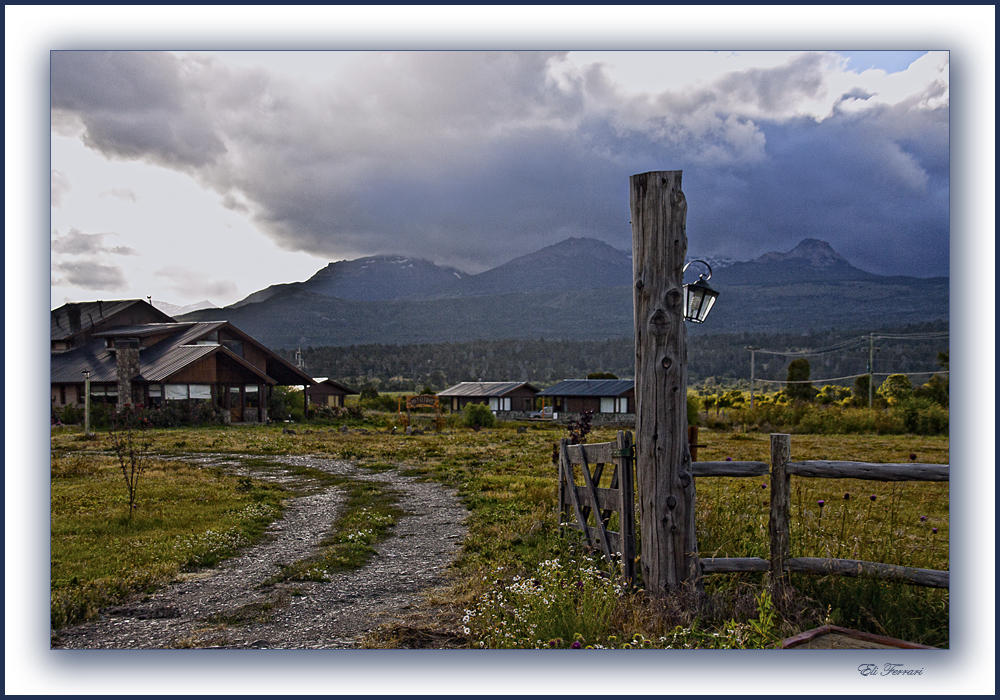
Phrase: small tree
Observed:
(896, 388)
(130, 442)
(799, 387)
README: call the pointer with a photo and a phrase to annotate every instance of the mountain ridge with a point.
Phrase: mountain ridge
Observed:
(577, 289)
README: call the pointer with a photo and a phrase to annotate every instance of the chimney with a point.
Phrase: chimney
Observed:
(127, 365)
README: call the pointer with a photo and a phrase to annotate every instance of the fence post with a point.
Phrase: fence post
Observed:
(626, 520)
(663, 461)
(779, 522)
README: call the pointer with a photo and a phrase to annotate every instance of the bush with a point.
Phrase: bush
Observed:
(478, 415)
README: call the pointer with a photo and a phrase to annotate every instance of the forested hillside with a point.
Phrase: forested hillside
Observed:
(723, 357)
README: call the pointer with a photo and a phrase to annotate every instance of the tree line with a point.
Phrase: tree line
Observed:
(713, 360)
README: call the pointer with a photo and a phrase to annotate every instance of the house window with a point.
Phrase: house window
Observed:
(155, 395)
(200, 391)
(176, 392)
(252, 397)
(494, 403)
(234, 346)
(607, 404)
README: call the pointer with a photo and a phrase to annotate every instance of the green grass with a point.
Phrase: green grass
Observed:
(507, 481)
(187, 518)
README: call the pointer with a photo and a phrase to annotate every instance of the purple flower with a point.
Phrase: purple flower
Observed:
(934, 530)
(729, 459)
(872, 497)
(923, 518)
(763, 486)
(821, 502)
(847, 496)
(576, 645)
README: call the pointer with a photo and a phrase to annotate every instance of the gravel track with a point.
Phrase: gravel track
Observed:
(293, 615)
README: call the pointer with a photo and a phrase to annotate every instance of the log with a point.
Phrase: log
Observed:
(729, 468)
(663, 459)
(866, 569)
(866, 470)
(729, 565)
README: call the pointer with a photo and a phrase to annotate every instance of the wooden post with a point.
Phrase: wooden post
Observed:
(779, 523)
(663, 462)
(626, 520)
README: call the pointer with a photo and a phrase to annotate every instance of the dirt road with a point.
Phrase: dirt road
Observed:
(226, 607)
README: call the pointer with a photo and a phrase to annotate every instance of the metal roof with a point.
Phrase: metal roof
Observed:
(484, 388)
(158, 362)
(70, 319)
(590, 387)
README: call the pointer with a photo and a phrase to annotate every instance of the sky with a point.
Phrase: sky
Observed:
(193, 175)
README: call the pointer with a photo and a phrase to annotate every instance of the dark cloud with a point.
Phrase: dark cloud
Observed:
(472, 158)
(89, 275)
(135, 105)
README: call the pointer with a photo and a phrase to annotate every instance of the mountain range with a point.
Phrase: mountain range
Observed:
(579, 289)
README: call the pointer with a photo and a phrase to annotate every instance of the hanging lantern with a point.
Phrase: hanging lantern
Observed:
(699, 297)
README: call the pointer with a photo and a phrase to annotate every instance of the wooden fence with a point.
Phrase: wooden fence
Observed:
(781, 470)
(588, 507)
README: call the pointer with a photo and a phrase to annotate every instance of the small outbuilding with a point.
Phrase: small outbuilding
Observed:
(327, 392)
(499, 396)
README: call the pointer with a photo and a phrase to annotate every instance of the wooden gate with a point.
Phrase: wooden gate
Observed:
(588, 507)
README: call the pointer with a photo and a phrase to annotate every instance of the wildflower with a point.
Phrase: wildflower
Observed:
(923, 518)
(872, 497)
(934, 530)
(763, 486)
(821, 502)
(729, 459)
(847, 496)
(576, 645)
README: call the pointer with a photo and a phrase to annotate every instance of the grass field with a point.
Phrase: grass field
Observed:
(507, 480)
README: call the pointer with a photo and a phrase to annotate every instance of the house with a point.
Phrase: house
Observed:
(135, 354)
(611, 400)
(327, 392)
(499, 396)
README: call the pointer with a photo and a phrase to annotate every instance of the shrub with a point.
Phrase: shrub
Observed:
(896, 388)
(479, 415)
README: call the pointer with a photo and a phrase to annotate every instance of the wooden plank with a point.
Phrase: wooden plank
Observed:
(607, 499)
(568, 474)
(866, 569)
(833, 637)
(779, 520)
(596, 453)
(824, 469)
(729, 565)
(663, 460)
(729, 468)
(603, 536)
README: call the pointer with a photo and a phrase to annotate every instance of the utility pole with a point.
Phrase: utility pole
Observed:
(751, 349)
(871, 368)
(666, 489)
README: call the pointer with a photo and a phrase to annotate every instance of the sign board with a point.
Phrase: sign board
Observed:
(422, 401)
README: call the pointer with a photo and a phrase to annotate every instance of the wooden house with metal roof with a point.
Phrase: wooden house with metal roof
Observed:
(607, 396)
(130, 359)
(499, 396)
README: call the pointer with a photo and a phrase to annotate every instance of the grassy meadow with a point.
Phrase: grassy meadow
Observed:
(517, 582)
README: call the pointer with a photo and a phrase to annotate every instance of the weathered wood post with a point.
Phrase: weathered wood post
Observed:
(779, 522)
(663, 462)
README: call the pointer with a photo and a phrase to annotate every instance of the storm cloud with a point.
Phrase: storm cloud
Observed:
(471, 158)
